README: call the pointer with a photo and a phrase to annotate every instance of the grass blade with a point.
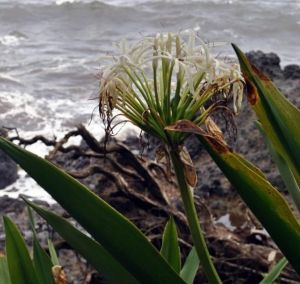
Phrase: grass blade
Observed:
(118, 236)
(275, 272)
(20, 265)
(190, 267)
(4, 273)
(53, 254)
(41, 260)
(170, 249)
(42, 264)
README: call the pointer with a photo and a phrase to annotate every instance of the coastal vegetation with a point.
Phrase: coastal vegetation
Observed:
(170, 87)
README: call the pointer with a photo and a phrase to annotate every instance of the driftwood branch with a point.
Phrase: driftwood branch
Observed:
(26, 142)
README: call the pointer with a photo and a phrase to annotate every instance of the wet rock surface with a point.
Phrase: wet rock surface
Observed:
(291, 72)
(8, 169)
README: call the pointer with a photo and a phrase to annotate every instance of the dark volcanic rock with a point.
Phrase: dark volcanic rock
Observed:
(268, 63)
(8, 204)
(8, 171)
(291, 71)
(8, 168)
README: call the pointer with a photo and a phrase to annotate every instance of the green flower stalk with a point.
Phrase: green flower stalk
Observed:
(159, 80)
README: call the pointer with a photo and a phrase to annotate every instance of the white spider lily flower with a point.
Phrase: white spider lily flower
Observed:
(159, 80)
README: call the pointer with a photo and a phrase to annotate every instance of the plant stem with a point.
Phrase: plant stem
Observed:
(193, 221)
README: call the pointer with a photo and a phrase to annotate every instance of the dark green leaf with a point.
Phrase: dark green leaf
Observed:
(93, 252)
(278, 117)
(112, 230)
(284, 169)
(31, 221)
(20, 266)
(170, 249)
(42, 264)
(264, 200)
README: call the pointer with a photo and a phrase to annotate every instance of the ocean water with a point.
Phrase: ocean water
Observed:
(51, 51)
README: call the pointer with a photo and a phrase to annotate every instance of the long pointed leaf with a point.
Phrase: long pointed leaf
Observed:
(4, 273)
(170, 247)
(20, 265)
(261, 197)
(31, 221)
(284, 169)
(279, 118)
(42, 264)
(265, 202)
(53, 254)
(275, 272)
(93, 252)
(190, 267)
(41, 260)
(118, 235)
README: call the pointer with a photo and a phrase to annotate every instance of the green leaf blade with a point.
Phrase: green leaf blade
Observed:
(190, 267)
(118, 235)
(261, 197)
(93, 252)
(20, 265)
(264, 201)
(42, 264)
(278, 117)
(52, 251)
(170, 249)
(284, 169)
(4, 273)
(275, 272)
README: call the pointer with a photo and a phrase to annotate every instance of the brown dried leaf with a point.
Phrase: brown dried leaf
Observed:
(59, 275)
(252, 93)
(185, 126)
(214, 130)
(189, 169)
(162, 156)
(213, 135)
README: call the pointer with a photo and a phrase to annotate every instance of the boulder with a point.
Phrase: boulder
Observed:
(8, 168)
(291, 71)
(269, 63)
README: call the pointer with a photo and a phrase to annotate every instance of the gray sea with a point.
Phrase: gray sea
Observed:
(50, 51)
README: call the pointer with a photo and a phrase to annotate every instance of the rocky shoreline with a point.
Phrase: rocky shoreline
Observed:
(213, 188)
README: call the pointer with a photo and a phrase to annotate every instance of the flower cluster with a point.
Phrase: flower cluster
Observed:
(160, 80)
